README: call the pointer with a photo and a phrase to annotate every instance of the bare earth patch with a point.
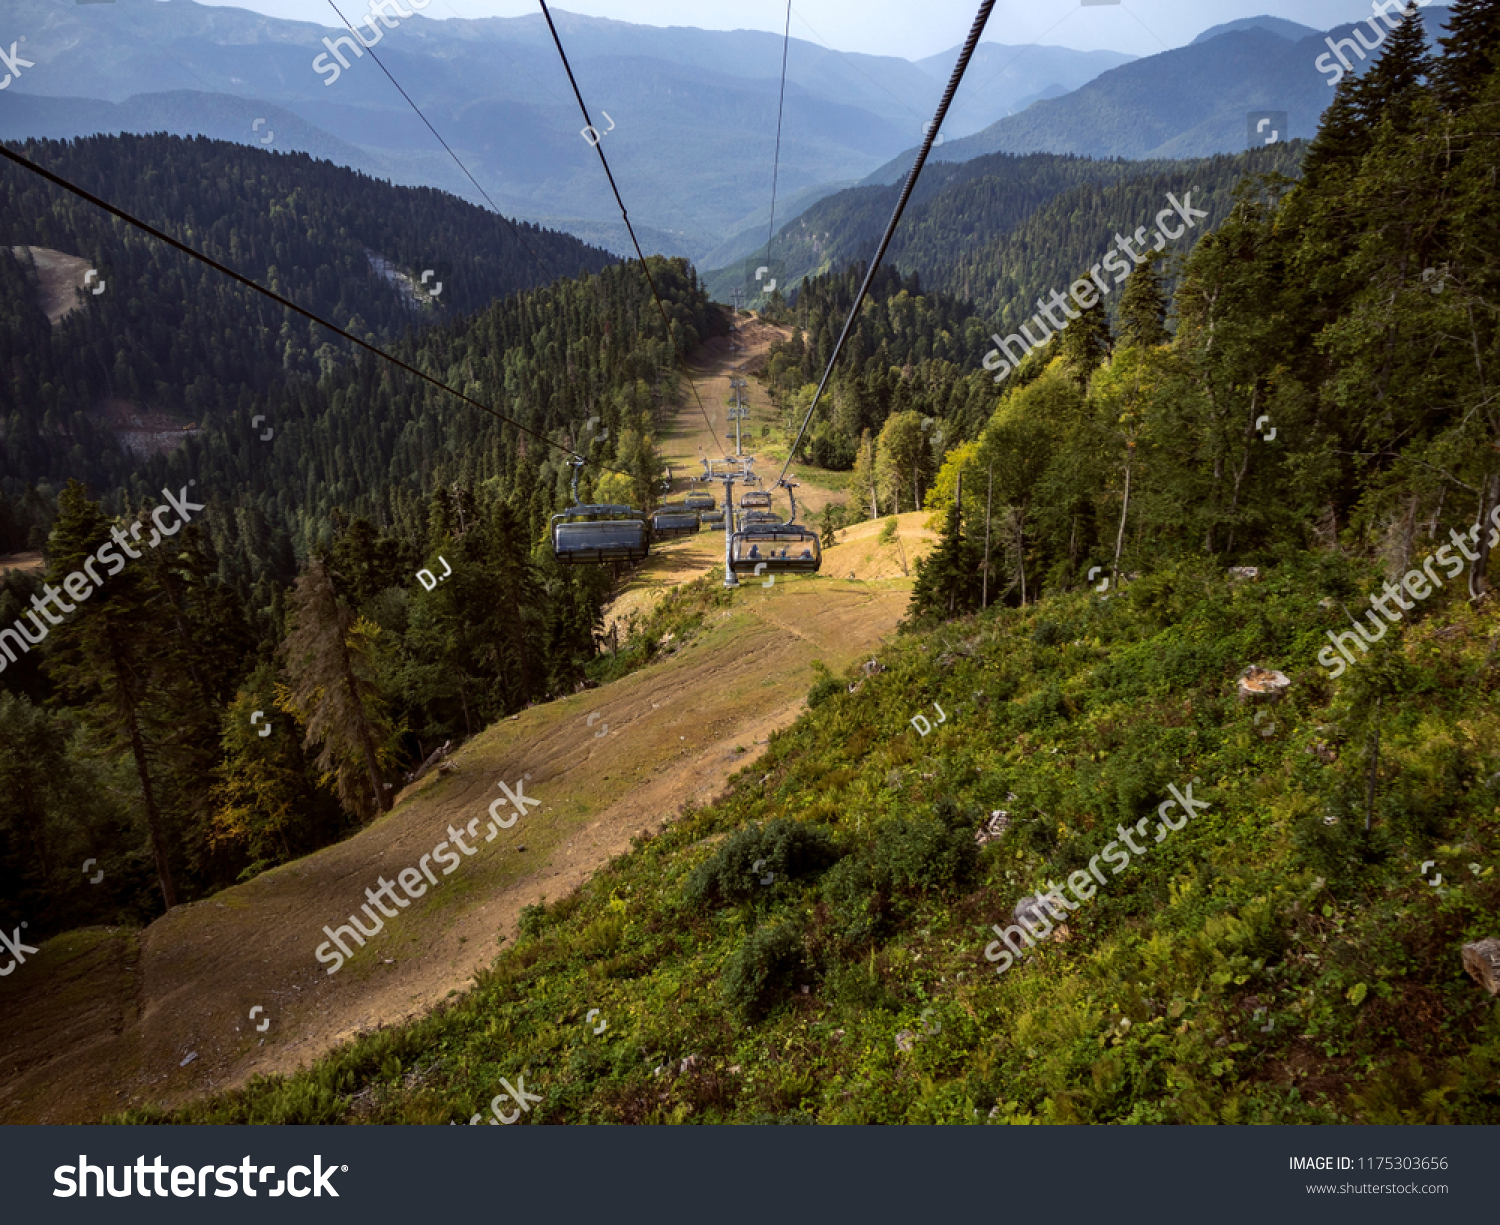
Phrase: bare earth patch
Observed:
(59, 277)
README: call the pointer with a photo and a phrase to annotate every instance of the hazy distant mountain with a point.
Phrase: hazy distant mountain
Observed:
(693, 111)
(1001, 79)
(1216, 82)
(1279, 26)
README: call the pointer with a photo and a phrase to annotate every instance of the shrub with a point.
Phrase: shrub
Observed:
(859, 913)
(533, 921)
(908, 856)
(762, 970)
(916, 855)
(777, 851)
(1048, 633)
(824, 687)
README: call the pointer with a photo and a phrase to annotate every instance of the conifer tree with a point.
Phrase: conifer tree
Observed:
(106, 654)
(1143, 306)
(1388, 90)
(1086, 342)
(331, 669)
(1471, 52)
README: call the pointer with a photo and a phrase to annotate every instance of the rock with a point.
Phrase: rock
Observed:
(872, 668)
(1258, 684)
(1032, 910)
(1244, 572)
(1482, 961)
(991, 830)
(905, 1040)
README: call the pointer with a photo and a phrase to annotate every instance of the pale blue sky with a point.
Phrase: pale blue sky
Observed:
(910, 28)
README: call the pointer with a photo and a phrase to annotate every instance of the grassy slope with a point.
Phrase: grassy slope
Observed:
(1148, 1010)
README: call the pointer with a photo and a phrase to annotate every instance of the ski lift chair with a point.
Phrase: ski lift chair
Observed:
(777, 548)
(593, 535)
(670, 522)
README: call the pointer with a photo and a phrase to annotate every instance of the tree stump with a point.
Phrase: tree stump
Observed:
(1262, 685)
(1482, 961)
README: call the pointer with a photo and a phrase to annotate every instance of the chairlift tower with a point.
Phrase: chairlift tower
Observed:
(739, 412)
(731, 580)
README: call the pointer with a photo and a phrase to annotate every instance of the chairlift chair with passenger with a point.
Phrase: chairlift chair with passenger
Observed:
(776, 548)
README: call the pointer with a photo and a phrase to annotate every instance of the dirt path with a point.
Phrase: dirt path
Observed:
(102, 1020)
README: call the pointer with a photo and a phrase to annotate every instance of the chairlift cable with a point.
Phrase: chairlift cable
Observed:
(630, 229)
(128, 218)
(545, 270)
(786, 43)
(970, 43)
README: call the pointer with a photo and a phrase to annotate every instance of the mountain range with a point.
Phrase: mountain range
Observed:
(686, 117)
(691, 132)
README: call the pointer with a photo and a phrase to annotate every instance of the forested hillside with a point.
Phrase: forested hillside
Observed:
(1001, 226)
(1326, 386)
(1176, 536)
(126, 730)
(170, 335)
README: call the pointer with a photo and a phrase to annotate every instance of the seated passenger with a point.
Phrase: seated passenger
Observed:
(807, 553)
(755, 550)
